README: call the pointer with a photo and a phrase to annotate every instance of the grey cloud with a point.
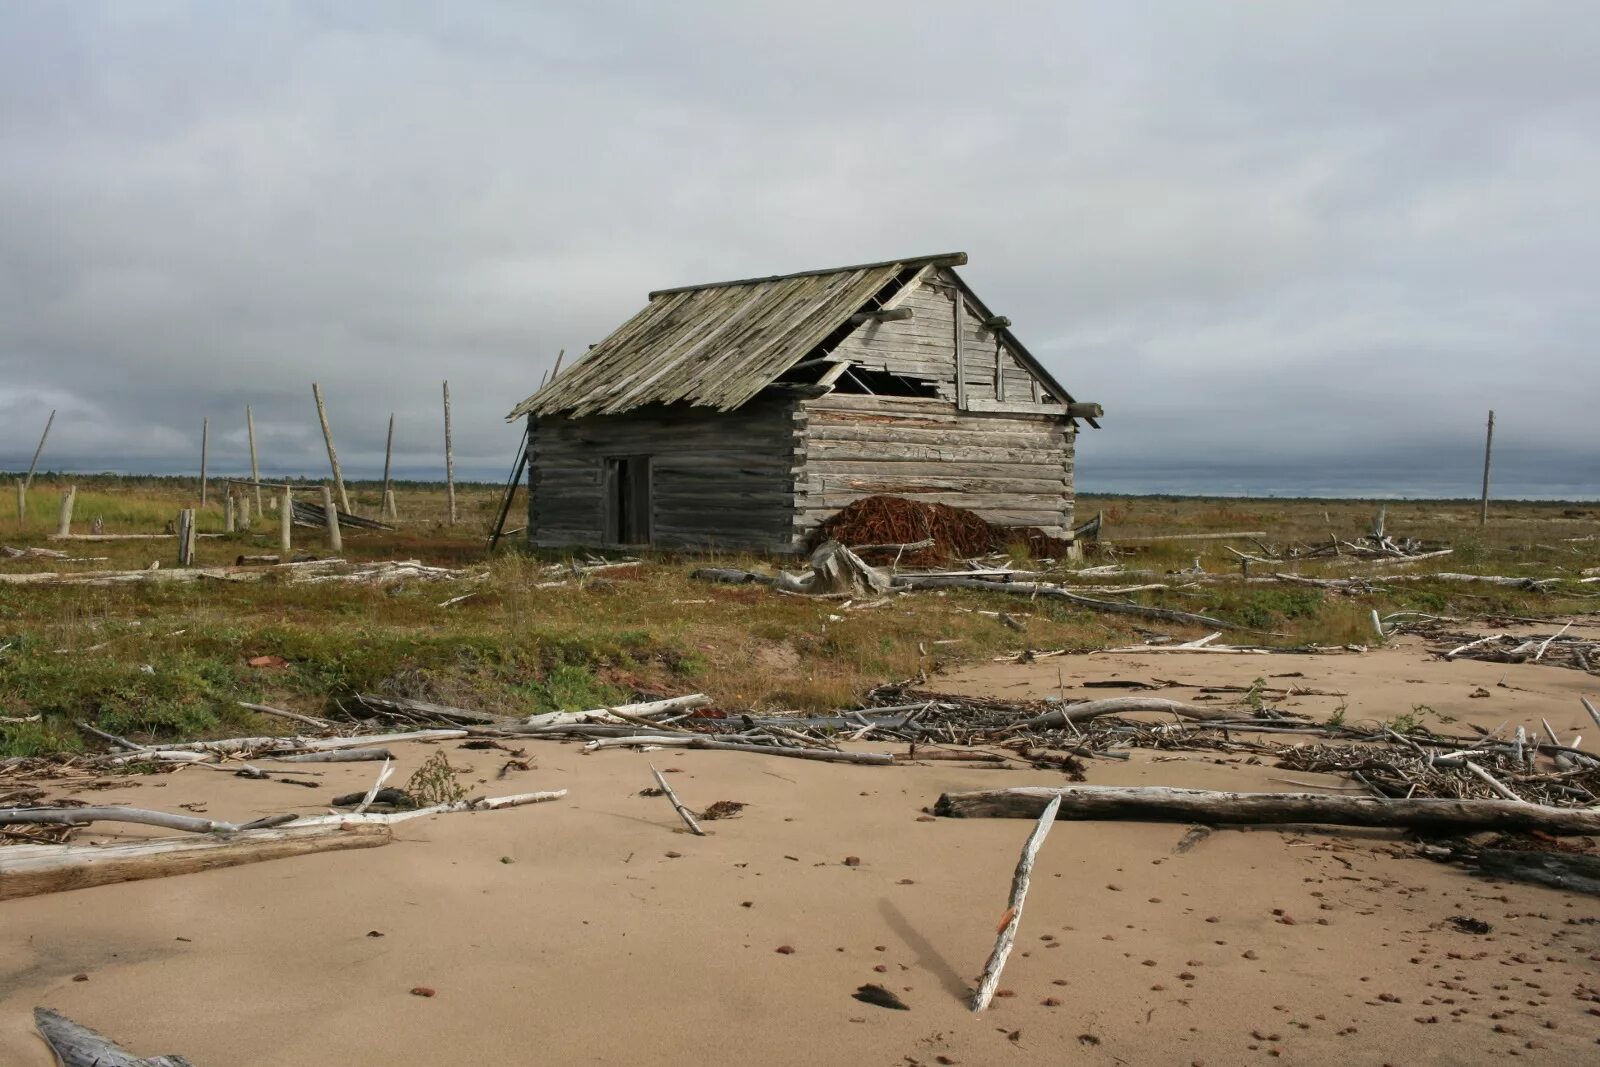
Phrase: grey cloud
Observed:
(1262, 235)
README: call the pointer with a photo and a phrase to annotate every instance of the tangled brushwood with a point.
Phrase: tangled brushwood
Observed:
(919, 534)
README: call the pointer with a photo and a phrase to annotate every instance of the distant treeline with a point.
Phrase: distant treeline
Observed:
(180, 481)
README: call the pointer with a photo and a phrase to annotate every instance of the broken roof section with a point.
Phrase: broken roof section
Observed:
(719, 344)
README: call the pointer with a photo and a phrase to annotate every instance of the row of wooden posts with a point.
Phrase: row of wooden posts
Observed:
(236, 518)
(388, 510)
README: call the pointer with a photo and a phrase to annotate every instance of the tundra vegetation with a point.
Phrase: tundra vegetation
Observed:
(521, 631)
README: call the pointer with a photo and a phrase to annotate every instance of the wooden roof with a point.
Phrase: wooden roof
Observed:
(719, 344)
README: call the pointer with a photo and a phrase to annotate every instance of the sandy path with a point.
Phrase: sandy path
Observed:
(594, 946)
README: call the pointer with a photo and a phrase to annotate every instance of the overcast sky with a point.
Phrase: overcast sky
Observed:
(1287, 245)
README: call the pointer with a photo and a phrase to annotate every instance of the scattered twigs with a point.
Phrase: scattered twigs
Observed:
(1013, 915)
(677, 805)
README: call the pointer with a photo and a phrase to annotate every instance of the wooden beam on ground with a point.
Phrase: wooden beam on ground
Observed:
(29, 870)
(1163, 804)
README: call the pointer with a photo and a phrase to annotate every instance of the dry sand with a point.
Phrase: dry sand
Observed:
(569, 932)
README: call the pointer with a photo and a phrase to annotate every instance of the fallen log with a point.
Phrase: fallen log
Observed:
(684, 741)
(1034, 589)
(141, 816)
(28, 870)
(1163, 804)
(76, 1045)
(336, 755)
(1093, 709)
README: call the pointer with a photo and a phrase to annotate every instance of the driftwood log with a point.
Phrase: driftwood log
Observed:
(76, 1045)
(1093, 709)
(28, 870)
(694, 741)
(1163, 804)
(1034, 589)
(190, 824)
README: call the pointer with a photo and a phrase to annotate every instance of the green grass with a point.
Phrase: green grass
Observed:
(171, 660)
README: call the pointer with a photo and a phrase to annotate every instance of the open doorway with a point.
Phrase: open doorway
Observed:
(627, 500)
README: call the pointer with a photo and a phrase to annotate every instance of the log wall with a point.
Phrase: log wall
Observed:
(1013, 468)
(718, 479)
(923, 346)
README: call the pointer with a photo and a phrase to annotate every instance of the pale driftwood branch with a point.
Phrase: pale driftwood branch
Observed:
(117, 813)
(643, 710)
(683, 741)
(1093, 709)
(1162, 804)
(1013, 917)
(515, 800)
(264, 709)
(27, 870)
(337, 755)
(677, 805)
(75, 1045)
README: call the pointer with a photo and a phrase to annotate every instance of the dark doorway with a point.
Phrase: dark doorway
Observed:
(627, 499)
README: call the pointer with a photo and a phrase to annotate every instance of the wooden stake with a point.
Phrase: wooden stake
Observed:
(286, 524)
(1013, 916)
(227, 513)
(255, 469)
(186, 538)
(34, 465)
(1488, 448)
(205, 439)
(22, 501)
(677, 805)
(449, 458)
(327, 436)
(244, 510)
(64, 526)
(335, 540)
(389, 510)
(388, 454)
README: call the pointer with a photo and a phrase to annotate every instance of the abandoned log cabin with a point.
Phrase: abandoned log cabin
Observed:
(741, 414)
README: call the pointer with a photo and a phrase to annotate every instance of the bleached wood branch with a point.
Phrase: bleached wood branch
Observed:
(677, 805)
(1013, 917)
(694, 741)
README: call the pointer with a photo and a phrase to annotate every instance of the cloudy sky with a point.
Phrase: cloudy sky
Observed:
(1289, 246)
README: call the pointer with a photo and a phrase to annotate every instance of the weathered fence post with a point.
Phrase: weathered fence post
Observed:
(36, 452)
(285, 524)
(186, 537)
(22, 501)
(255, 470)
(335, 540)
(388, 454)
(205, 439)
(1488, 447)
(64, 527)
(389, 511)
(449, 458)
(227, 513)
(244, 510)
(327, 436)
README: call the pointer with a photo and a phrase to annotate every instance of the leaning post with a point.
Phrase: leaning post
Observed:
(335, 541)
(1488, 449)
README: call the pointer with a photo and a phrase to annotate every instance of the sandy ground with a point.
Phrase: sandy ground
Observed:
(591, 930)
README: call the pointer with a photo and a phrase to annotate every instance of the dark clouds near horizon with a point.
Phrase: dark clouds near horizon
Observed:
(1289, 246)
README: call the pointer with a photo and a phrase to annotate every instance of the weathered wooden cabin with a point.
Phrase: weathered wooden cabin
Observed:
(741, 414)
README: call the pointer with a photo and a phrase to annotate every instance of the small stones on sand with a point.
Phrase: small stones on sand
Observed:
(422, 991)
(784, 950)
(374, 933)
(674, 855)
(852, 861)
(1250, 954)
(80, 978)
